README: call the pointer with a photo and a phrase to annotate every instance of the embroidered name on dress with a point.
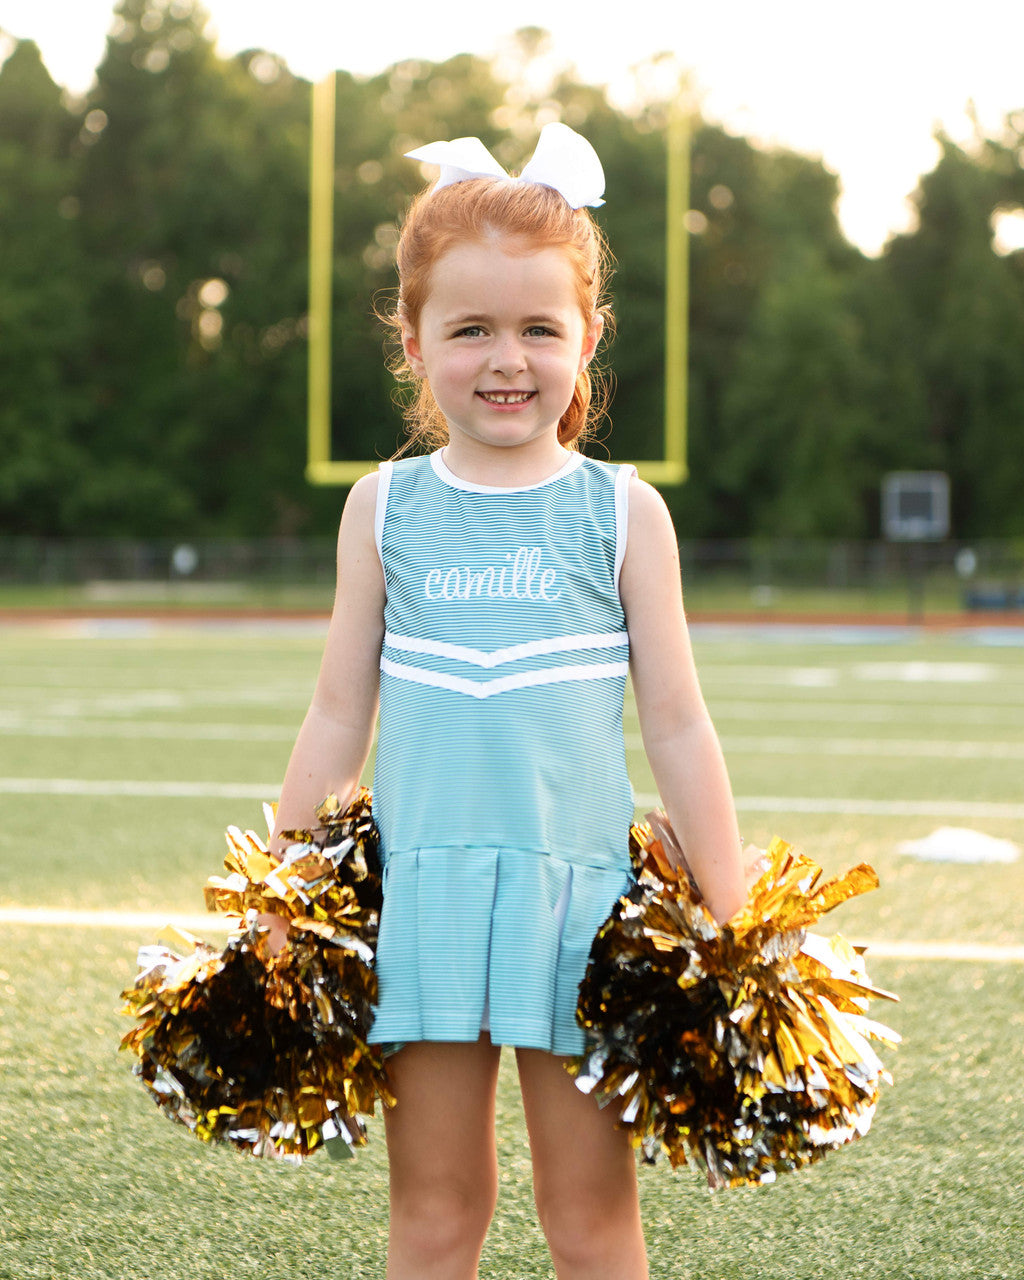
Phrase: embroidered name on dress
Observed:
(521, 577)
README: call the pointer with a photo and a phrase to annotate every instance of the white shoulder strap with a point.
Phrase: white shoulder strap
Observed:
(625, 473)
(386, 470)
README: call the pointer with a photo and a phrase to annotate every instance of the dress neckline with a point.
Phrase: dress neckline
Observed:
(448, 477)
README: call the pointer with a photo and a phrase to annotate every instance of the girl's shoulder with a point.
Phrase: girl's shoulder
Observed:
(359, 514)
(363, 494)
(370, 492)
(648, 511)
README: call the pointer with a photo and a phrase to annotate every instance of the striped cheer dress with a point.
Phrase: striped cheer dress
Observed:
(500, 784)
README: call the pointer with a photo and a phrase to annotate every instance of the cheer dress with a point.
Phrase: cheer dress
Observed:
(500, 785)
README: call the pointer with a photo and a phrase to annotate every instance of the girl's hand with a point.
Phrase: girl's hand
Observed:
(755, 864)
(277, 930)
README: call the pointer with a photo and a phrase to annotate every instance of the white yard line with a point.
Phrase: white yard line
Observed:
(759, 745)
(140, 790)
(154, 922)
(29, 727)
(967, 951)
(906, 748)
(188, 790)
(866, 712)
(976, 809)
(148, 921)
(903, 748)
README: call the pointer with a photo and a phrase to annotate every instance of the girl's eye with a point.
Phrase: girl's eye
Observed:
(470, 331)
(539, 331)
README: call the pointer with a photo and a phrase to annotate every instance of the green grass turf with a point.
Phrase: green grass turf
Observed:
(96, 1184)
(931, 720)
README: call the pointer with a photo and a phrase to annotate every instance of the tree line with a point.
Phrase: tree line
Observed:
(153, 294)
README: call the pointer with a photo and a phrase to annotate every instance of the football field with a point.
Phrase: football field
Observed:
(127, 747)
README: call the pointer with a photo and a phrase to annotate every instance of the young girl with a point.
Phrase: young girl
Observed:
(491, 596)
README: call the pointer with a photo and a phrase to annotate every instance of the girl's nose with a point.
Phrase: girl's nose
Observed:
(507, 357)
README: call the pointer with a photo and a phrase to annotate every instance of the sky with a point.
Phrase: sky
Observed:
(863, 84)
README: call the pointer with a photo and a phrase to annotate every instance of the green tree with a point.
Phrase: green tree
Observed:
(769, 268)
(196, 198)
(798, 411)
(153, 286)
(964, 305)
(43, 305)
(192, 203)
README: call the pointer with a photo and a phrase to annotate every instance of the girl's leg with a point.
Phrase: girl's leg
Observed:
(443, 1163)
(584, 1175)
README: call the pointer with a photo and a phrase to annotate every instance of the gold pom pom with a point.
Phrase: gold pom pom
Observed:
(267, 1050)
(744, 1046)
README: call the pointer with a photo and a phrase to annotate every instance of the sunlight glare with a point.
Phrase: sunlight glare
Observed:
(1008, 231)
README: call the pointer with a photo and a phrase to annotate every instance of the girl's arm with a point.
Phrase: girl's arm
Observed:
(679, 738)
(337, 733)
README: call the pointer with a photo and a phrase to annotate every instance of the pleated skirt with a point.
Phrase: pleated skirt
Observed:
(492, 939)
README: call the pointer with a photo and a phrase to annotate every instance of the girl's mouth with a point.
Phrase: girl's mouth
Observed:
(506, 397)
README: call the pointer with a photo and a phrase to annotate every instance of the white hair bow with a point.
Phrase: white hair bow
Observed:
(563, 160)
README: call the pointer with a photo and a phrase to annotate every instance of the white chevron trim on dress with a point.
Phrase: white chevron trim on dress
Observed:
(502, 684)
(498, 657)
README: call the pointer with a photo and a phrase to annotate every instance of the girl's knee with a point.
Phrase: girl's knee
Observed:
(587, 1235)
(434, 1223)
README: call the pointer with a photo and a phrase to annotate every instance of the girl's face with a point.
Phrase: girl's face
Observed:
(501, 340)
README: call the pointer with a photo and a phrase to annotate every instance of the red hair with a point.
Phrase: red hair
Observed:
(529, 215)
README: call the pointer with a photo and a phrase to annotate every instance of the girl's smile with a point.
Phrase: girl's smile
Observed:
(501, 340)
(507, 397)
